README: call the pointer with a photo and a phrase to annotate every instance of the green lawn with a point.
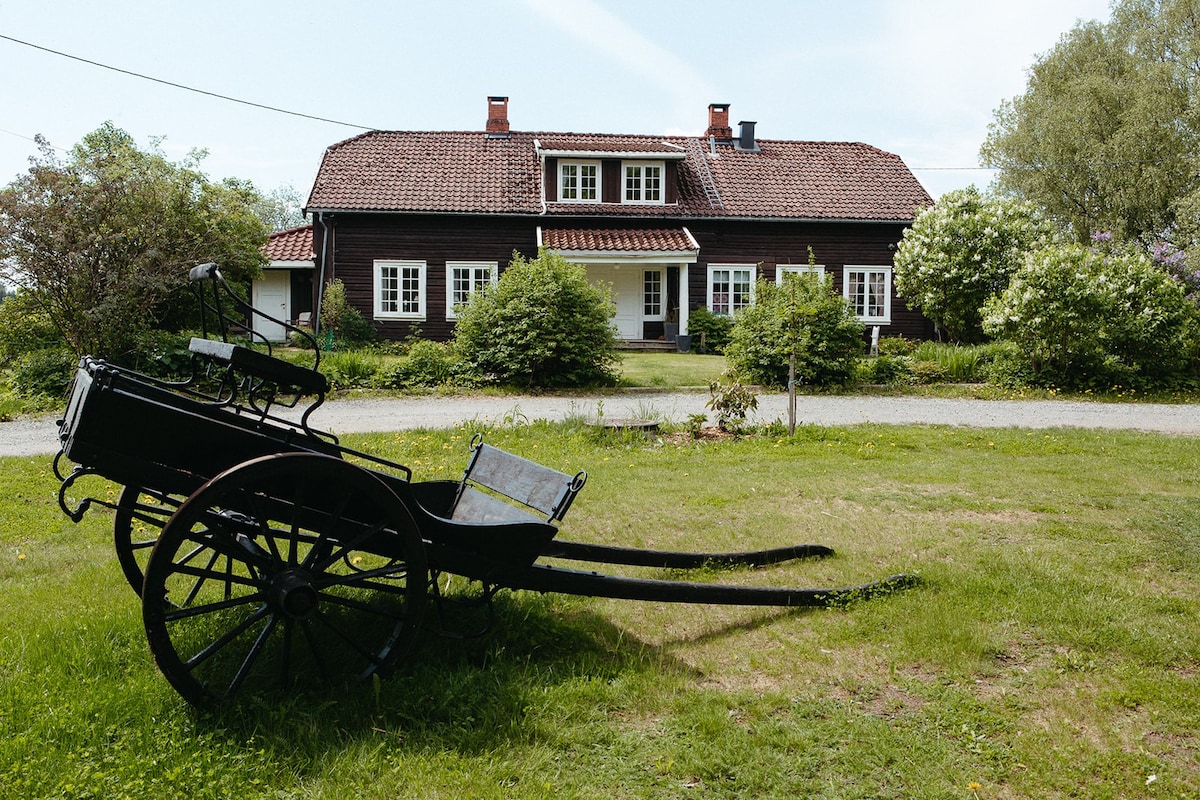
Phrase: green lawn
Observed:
(669, 370)
(1052, 649)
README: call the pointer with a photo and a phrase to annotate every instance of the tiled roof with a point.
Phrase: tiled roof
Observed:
(602, 143)
(435, 172)
(467, 172)
(816, 180)
(294, 244)
(657, 240)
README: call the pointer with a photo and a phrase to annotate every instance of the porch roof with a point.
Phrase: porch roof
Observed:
(664, 242)
(294, 244)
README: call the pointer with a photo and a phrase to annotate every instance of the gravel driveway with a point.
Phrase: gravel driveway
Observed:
(39, 436)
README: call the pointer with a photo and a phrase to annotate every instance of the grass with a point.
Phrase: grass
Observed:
(1051, 651)
(669, 370)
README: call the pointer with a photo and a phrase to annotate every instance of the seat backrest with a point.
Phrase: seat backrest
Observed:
(541, 489)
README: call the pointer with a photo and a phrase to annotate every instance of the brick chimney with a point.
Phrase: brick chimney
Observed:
(718, 122)
(497, 122)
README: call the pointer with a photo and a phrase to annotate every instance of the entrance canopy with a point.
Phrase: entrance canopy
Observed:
(647, 268)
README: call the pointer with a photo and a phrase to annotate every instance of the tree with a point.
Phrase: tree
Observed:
(102, 239)
(281, 209)
(802, 318)
(961, 252)
(1094, 318)
(542, 325)
(1105, 135)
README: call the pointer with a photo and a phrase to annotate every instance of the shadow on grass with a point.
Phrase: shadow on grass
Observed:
(546, 658)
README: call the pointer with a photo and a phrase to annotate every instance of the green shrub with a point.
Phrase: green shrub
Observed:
(731, 402)
(896, 346)
(343, 321)
(10, 405)
(427, 363)
(350, 369)
(43, 373)
(803, 317)
(160, 354)
(923, 373)
(543, 325)
(1084, 319)
(710, 333)
(24, 328)
(885, 370)
(959, 363)
(1009, 368)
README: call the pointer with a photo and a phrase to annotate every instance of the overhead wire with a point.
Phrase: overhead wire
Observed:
(184, 86)
(302, 115)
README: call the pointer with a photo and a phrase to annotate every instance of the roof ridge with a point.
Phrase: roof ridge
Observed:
(294, 229)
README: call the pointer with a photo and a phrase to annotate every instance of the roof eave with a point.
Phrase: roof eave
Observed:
(682, 217)
(641, 155)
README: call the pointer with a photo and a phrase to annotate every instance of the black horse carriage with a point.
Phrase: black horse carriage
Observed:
(266, 554)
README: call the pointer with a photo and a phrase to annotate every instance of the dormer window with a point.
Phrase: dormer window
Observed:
(579, 181)
(643, 182)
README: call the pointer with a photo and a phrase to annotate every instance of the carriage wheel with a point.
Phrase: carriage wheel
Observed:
(285, 572)
(140, 515)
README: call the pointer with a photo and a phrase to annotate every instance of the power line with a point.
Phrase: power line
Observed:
(954, 169)
(185, 88)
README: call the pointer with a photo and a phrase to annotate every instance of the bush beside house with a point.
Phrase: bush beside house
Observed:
(543, 325)
(801, 317)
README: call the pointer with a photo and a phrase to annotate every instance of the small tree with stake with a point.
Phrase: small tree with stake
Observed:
(797, 331)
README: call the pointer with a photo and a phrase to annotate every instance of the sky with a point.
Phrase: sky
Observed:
(919, 78)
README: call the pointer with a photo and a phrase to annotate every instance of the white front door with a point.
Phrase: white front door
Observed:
(271, 296)
(627, 295)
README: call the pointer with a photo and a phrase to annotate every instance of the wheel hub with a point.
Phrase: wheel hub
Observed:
(293, 594)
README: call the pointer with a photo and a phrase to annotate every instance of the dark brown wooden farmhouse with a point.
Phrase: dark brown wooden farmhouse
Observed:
(414, 222)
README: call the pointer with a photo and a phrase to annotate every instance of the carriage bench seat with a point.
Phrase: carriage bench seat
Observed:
(540, 491)
(261, 365)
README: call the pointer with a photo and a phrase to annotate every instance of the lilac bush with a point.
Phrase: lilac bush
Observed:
(1090, 318)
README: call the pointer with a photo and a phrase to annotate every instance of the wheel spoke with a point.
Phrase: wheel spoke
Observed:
(362, 577)
(176, 614)
(140, 513)
(372, 658)
(345, 548)
(252, 656)
(223, 640)
(315, 649)
(204, 576)
(370, 608)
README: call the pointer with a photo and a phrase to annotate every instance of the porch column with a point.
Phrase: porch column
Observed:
(683, 298)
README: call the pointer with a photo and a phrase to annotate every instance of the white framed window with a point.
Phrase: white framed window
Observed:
(643, 182)
(730, 288)
(400, 290)
(783, 270)
(579, 181)
(464, 279)
(652, 294)
(869, 291)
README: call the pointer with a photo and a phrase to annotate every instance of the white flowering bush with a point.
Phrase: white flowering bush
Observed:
(961, 252)
(1086, 319)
